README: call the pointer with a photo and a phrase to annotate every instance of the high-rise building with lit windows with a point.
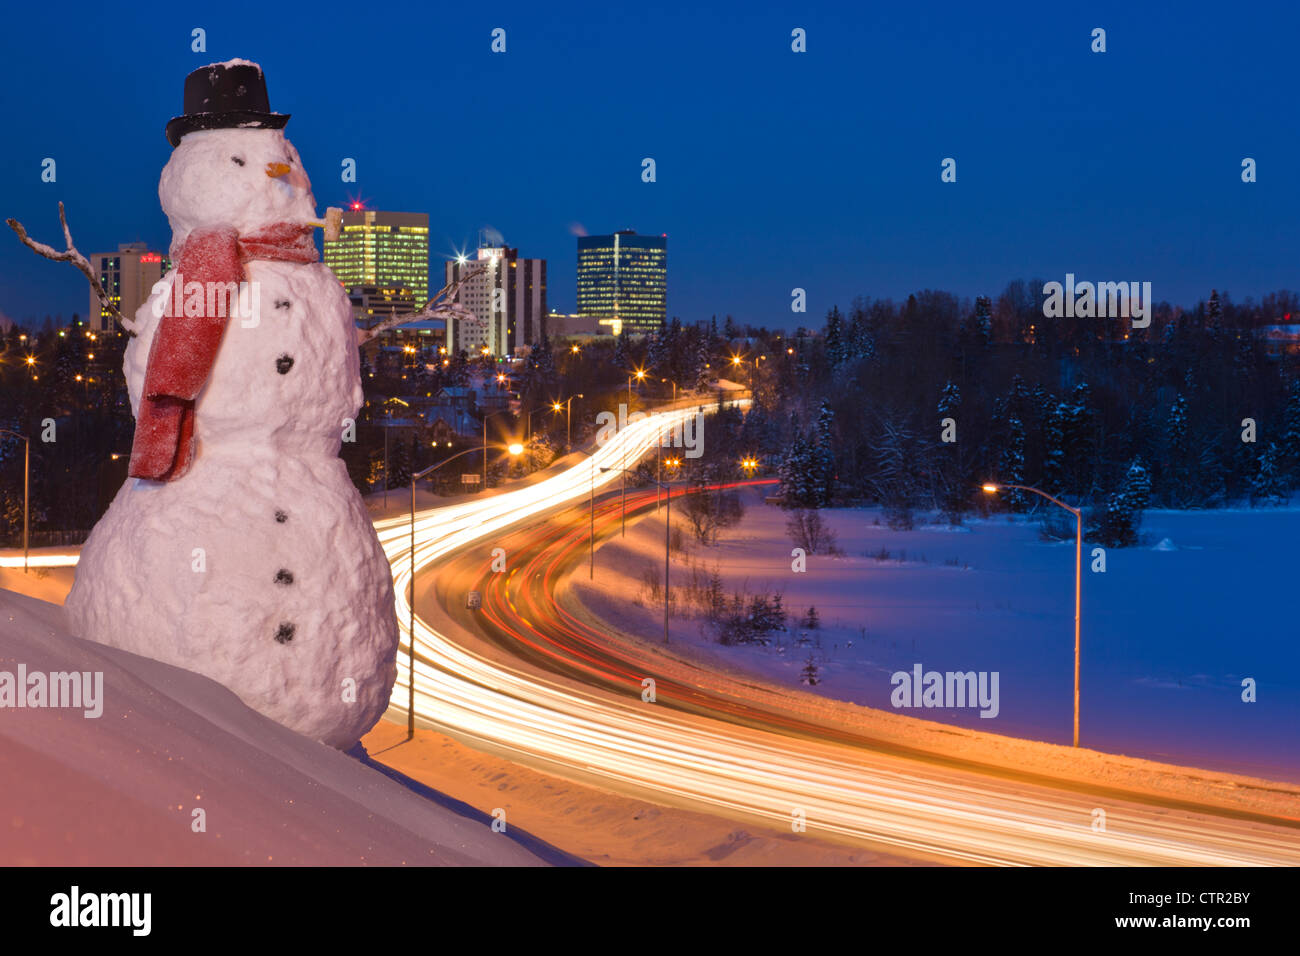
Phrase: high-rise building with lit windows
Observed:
(384, 249)
(624, 277)
(128, 276)
(507, 300)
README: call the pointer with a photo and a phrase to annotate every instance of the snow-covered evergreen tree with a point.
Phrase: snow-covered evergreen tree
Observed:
(795, 473)
(658, 349)
(836, 352)
(823, 458)
(705, 376)
(456, 372)
(984, 319)
(1121, 515)
(810, 674)
(861, 344)
(1290, 450)
(1011, 463)
(949, 401)
(1175, 474)
(1268, 486)
(1054, 417)
(621, 361)
(1137, 484)
(1078, 442)
(399, 464)
(1214, 312)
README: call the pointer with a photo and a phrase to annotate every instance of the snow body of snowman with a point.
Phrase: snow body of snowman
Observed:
(253, 560)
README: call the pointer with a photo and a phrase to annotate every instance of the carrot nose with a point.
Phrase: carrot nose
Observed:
(276, 170)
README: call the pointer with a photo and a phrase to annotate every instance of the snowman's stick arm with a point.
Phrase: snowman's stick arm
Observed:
(431, 310)
(76, 258)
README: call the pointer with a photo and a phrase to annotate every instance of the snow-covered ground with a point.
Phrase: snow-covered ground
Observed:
(123, 788)
(1170, 630)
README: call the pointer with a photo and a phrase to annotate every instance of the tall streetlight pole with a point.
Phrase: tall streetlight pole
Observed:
(591, 571)
(568, 418)
(737, 360)
(993, 488)
(514, 449)
(27, 478)
(500, 411)
(668, 524)
(659, 458)
(640, 376)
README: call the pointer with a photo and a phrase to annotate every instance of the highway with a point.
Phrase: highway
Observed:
(547, 688)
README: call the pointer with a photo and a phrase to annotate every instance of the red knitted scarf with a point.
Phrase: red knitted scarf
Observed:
(186, 342)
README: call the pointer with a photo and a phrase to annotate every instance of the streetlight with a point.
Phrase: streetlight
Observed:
(27, 475)
(591, 537)
(514, 449)
(640, 377)
(387, 424)
(737, 360)
(668, 524)
(499, 411)
(993, 488)
(537, 411)
(568, 418)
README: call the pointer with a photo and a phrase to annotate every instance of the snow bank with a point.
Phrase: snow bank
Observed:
(123, 789)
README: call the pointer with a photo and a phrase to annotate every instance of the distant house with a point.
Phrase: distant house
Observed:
(1280, 340)
(452, 410)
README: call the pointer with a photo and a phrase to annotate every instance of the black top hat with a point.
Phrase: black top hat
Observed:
(225, 96)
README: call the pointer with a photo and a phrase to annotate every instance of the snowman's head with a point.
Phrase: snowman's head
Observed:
(245, 178)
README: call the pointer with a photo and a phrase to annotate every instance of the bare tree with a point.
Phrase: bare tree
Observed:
(809, 531)
(441, 306)
(77, 259)
(708, 512)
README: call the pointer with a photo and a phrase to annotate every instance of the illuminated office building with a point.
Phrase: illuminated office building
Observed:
(128, 276)
(507, 301)
(624, 277)
(382, 249)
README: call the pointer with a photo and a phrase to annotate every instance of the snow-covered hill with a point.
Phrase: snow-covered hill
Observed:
(123, 788)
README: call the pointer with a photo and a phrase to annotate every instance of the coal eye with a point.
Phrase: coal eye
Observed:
(236, 160)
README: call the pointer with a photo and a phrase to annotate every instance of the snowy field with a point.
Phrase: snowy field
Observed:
(1169, 630)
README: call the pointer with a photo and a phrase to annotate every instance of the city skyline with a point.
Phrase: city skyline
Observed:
(850, 179)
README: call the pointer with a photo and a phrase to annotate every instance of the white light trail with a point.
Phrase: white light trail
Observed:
(708, 764)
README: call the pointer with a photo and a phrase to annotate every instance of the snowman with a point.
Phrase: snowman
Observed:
(238, 547)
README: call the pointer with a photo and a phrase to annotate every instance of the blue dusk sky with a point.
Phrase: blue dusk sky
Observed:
(775, 169)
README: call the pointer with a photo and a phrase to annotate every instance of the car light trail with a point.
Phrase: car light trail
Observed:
(698, 762)
(709, 764)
